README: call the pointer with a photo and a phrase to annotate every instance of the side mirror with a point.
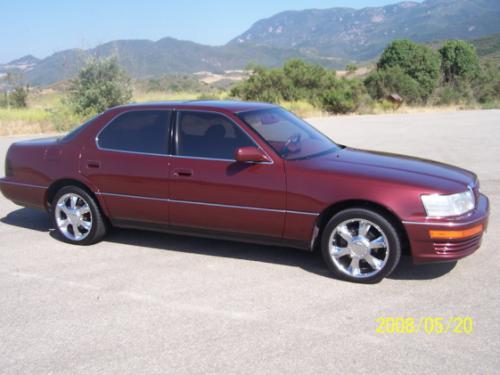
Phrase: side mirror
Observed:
(251, 155)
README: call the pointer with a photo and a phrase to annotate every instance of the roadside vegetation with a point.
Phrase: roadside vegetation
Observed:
(407, 75)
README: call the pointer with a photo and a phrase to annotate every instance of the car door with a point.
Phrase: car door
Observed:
(210, 190)
(129, 164)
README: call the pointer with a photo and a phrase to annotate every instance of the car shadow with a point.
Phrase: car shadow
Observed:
(311, 262)
(406, 270)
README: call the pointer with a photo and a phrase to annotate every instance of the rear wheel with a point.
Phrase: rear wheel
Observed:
(76, 216)
(360, 245)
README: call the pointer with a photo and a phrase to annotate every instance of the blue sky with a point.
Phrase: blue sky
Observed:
(44, 27)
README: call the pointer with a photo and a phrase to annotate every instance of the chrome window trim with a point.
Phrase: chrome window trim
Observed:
(4, 181)
(178, 111)
(208, 204)
(170, 154)
(125, 151)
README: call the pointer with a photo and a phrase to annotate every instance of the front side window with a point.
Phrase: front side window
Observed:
(291, 137)
(209, 135)
(138, 131)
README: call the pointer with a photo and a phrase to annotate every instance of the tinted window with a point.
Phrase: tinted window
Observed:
(290, 136)
(209, 135)
(138, 131)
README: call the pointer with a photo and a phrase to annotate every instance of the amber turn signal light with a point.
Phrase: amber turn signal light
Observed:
(454, 234)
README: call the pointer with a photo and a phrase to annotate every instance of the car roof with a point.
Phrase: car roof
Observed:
(233, 106)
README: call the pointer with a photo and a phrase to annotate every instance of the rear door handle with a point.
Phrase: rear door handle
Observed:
(93, 164)
(183, 172)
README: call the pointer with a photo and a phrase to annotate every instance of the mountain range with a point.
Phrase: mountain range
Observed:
(331, 37)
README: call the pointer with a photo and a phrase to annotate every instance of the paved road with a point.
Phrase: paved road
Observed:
(144, 302)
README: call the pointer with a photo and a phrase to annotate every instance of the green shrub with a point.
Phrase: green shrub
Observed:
(342, 97)
(63, 118)
(459, 61)
(18, 97)
(419, 62)
(266, 85)
(486, 85)
(386, 81)
(101, 84)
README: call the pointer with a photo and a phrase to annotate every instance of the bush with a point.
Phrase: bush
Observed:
(384, 82)
(343, 97)
(302, 80)
(486, 85)
(18, 97)
(419, 62)
(459, 61)
(267, 85)
(63, 118)
(101, 84)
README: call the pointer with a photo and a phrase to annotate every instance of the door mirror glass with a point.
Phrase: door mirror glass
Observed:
(251, 155)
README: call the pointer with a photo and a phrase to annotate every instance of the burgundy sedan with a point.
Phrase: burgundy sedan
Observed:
(251, 172)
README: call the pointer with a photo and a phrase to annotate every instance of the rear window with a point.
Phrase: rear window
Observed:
(137, 131)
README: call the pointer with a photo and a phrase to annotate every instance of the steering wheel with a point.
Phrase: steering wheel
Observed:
(291, 144)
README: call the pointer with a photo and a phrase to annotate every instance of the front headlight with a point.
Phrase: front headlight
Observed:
(437, 205)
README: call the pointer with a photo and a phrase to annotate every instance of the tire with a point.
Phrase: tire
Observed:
(73, 207)
(360, 245)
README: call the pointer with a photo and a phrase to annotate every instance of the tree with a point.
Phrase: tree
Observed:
(417, 61)
(101, 84)
(459, 61)
(18, 98)
(384, 82)
(17, 95)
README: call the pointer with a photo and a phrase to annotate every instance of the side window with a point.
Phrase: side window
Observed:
(209, 135)
(138, 131)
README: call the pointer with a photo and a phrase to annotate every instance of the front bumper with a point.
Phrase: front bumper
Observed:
(426, 249)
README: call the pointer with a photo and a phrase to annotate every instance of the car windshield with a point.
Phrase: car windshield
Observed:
(291, 137)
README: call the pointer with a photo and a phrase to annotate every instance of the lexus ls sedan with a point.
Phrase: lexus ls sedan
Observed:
(249, 172)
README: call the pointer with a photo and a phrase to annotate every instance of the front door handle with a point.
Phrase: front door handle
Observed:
(183, 172)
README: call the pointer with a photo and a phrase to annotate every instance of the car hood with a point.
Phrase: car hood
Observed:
(395, 165)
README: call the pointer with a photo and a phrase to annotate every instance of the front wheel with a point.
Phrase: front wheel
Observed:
(76, 216)
(360, 245)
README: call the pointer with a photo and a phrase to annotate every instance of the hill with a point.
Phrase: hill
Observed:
(362, 34)
(331, 37)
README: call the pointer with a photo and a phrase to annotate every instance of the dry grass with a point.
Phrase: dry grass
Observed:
(47, 113)
(158, 96)
(24, 121)
(303, 109)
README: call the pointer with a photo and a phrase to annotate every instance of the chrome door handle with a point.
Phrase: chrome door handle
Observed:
(183, 172)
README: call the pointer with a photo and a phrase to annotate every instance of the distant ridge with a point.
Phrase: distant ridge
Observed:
(332, 37)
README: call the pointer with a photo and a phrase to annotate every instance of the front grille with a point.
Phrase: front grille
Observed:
(442, 247)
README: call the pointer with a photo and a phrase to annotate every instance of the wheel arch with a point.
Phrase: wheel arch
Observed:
(58, 184)
(331, 210)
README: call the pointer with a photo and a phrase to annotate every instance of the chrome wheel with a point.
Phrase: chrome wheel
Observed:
(73, 216)
(358, 248)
